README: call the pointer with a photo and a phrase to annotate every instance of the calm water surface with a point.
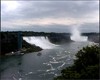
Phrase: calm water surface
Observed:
(43, 65)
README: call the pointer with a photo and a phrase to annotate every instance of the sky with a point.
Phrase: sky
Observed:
(50, 16)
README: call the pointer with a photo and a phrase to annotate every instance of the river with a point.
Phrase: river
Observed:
(42, 65)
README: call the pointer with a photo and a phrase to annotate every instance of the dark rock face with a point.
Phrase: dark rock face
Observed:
(59, 38)
(94, 37)
(26, 47)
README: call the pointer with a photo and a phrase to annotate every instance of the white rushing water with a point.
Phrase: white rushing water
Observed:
(40, 41)
(76, 36)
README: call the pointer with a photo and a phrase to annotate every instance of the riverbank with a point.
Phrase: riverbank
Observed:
(9, 45)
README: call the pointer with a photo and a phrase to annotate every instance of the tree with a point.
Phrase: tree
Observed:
(86, 66)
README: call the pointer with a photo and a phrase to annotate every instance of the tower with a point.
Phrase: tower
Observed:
(19, 40)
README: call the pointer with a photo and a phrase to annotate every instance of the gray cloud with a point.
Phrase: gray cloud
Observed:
(49, 9)
(41, 9)
(94, 27)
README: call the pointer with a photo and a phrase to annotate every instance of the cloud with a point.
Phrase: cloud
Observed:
(49, 13)
(40, 9)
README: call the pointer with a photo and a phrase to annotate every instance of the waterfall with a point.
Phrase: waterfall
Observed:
(41, 41)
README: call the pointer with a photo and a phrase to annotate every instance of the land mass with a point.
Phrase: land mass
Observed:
(9, 40)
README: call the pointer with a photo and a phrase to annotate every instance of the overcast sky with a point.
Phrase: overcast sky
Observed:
(50, 16)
